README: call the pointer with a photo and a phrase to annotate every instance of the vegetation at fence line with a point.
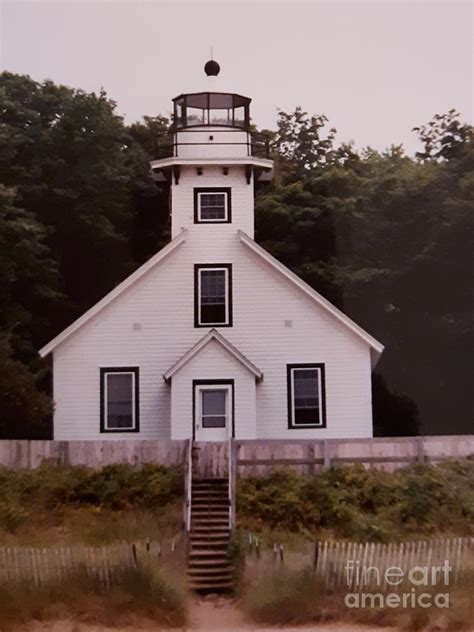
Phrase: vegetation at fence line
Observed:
(143, 592)
(284, 596)
(363, 504)
(91, 506)
(382, 234)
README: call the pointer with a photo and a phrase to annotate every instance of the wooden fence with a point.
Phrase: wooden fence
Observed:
(39, 566)
(355, 566)
(94, 454)
(261, 457)
(250, 457)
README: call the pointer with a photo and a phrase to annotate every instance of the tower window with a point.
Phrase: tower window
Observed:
(306, 396)
(212, 206)
(213, 295)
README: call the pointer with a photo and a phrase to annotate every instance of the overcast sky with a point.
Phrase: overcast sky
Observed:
(375, 69)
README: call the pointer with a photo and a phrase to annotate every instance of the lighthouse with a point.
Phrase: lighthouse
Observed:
(213, 339)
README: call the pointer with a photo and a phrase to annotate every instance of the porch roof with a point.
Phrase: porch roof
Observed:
(213, 334)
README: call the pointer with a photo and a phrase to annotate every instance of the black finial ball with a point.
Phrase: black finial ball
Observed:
(212, 68)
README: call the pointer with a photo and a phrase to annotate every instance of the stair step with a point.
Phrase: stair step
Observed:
(212, 481)
(205, 582)
(222, 577)
(200, 523)
(211, 513)
(211, 500)
(210, 530)
(208, 553)
(214, 544)
(210, 569)
(209, 563)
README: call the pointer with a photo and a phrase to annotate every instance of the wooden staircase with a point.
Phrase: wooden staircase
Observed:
(209, 566)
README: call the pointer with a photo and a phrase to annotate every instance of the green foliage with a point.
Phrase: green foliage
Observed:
(24, 410)
(143, 592)
(115, 487)
(356, 503)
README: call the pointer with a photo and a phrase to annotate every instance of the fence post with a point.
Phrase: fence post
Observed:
(420, 455)
(326, 456)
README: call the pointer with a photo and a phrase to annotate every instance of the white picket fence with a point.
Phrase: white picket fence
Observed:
(38, 566)
(355, 565)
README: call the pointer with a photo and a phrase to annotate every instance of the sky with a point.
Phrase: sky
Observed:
(375, 69)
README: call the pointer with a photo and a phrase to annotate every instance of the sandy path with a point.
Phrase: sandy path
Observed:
(220, 615)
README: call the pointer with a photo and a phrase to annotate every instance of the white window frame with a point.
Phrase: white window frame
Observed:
(214, 387)
(213, 220)
(106, 402)
(321, 423)
(226, 271)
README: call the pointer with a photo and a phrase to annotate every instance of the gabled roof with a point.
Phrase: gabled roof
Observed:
(116, 292)
(375, 346)
(213, 334)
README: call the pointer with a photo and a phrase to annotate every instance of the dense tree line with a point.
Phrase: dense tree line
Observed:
(384, 236)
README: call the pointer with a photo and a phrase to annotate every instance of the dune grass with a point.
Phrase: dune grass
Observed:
(296, 597)
(142, 592)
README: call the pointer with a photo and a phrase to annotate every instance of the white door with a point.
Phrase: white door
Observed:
(213, 412)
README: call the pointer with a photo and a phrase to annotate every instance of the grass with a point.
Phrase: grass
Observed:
(70, 505)
(296, 597)
(94, 526)
(141, 592)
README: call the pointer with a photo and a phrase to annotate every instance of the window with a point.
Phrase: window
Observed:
(214, 408)
(119, 399)
(213, 295)
(306, 396)
(212, 206)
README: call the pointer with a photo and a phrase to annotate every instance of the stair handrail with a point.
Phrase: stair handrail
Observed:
(231, 483)
(189, 485)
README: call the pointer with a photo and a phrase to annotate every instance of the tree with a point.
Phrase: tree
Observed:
(28, 276)
(24, 411)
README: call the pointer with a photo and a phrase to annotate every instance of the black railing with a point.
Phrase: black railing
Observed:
(167, 145)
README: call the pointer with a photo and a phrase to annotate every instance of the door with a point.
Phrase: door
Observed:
(213, 408)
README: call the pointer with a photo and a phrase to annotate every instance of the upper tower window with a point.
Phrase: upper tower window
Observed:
(212, 205)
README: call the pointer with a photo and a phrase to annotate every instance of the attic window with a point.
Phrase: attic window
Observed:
(119, 399)
(212, 206)
(306, 396)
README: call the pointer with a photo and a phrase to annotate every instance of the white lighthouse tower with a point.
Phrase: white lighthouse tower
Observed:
(214, 152)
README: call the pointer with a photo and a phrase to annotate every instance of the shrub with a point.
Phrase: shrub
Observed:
(367, 504)
(113, 486)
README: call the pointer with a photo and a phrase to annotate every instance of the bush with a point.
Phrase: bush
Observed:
(51, 490)
(368, 504)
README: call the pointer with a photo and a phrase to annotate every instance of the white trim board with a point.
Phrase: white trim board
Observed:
(213, 334)
(376, 346)
(117, 291)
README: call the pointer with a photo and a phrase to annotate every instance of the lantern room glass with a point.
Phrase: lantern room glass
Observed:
(211, 108)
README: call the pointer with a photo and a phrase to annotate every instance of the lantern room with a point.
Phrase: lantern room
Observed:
(216, 109)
